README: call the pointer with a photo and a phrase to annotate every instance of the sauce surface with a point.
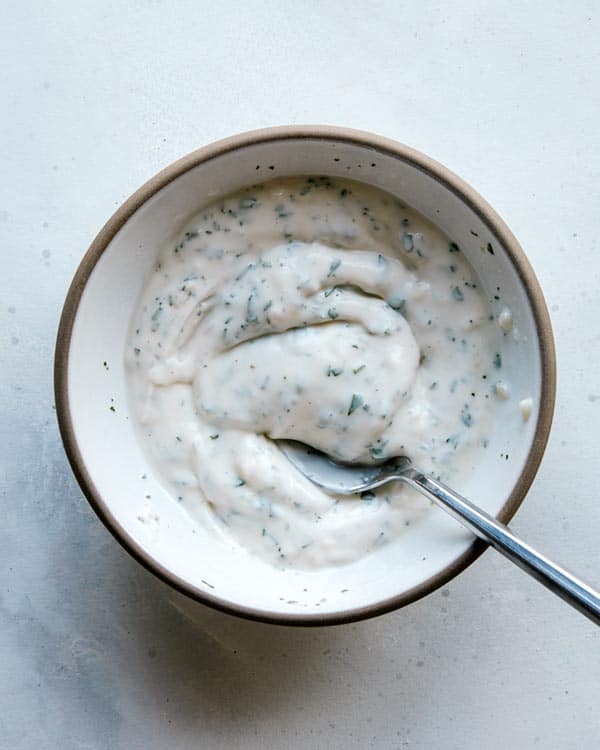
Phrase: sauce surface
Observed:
(317, 310)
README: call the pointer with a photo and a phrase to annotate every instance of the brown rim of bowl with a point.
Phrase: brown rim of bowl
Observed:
(377, 144)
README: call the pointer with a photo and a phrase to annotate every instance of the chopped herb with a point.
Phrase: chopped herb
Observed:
(367, 496)
(457, 294)
(329, 291)
(112, 408)
(335, 371)
(335, 264)
(377, 450)
(465, 416)
(490, 249)
(247, 202)
(281, 211)
(251, 316)
(356, 370)
(156, 317)
(407, 242)
(332, 313)
(399, 305)
(454, 248)
(214, 437)
(355, 403)
(241, 274)
(497, 360)
(240, 482)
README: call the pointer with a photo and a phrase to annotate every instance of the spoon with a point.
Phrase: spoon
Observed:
(351, 479)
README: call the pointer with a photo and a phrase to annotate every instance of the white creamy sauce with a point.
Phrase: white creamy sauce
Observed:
(323, 311)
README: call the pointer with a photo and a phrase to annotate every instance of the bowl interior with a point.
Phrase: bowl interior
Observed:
(104, 446)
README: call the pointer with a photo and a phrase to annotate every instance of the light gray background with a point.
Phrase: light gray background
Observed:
(96, 97)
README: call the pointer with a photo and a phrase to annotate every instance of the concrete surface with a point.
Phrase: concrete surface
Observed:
(96, 97)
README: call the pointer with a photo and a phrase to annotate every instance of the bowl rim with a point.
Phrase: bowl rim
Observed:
(337, 134)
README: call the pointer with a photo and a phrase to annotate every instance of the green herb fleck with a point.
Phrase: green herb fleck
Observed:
(490, 249)
(156, 317)
(407, 242)
(355, 403)
(335, 371)
(497, 360)
(241, 274)
(251, 316)
(281, 211)
(465, 416)
(214, 437)
(332, 313)
(399, 305)
(457, 294)
(356, 370)
(377, 450)
(454, 248)
(240, 482)
(335, 264)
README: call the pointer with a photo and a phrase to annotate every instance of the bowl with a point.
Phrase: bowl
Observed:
(99, 435)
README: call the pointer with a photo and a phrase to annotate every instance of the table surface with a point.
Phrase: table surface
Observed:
(95, 653)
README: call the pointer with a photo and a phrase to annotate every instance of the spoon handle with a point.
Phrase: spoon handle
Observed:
(557, 579)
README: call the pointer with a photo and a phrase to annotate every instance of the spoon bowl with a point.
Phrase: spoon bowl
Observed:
(340, 478)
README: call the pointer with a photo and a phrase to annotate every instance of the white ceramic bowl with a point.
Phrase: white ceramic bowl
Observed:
(99, 435)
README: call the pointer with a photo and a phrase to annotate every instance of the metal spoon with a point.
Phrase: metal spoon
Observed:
(348, 479)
